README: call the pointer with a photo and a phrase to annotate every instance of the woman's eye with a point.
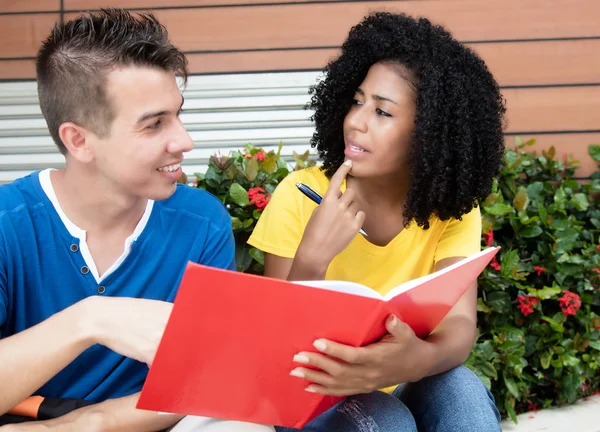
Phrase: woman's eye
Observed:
(383, 113)
(356, 102)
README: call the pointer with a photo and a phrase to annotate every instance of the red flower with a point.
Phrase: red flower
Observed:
(248, 155)
(252, 192)
(598, 248)
(489, 237)
(539, 270)
(495, 265)
(569, 303)
(258, 198)
(260, 156)
(596, 270)
(526, 304)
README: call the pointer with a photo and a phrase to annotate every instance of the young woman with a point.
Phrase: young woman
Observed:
(409, 130)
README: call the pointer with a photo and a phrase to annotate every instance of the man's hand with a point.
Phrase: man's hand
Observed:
(129, 326)
(343, 370)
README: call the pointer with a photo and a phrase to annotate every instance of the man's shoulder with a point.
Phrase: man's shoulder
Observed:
(195, 202)
(18, 194)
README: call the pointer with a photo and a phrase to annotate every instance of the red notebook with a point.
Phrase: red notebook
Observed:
(228, 346)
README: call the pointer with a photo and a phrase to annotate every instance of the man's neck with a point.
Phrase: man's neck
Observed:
(94, 206)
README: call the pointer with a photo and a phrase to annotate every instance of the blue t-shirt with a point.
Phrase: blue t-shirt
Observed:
(42, 272)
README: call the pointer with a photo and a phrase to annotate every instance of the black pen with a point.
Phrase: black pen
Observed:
(313, 196)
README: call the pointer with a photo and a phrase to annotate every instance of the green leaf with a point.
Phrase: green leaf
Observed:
(499, 209)
(236, 224)
(534, 190)
(243, 260)
(251, 169)
(554, 325)
(239, 195)
(510, 262)
(571, 384)
(543, 214)
(487, 222)
(489, 370)
(547, 292)
(595, 345)
(247, 223)
(521, 199)
(594, 151)
(499, 301)
(545, 359)
(580, 202)
(560, 200)
(566, 239)
(481, 306)
(258, 255)
(511, 411)
(511, 385)
(530, 231)
(269, 164)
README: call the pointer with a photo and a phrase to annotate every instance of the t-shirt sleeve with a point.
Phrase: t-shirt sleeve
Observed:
(3, 286)
(219, 250)
(280, 227)
(461, 238)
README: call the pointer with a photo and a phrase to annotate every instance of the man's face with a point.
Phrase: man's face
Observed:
(141, 155)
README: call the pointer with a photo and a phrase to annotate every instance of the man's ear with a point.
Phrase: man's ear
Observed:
(75, 138)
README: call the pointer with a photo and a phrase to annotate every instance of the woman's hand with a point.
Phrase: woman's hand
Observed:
(398, 357)
(333, 224)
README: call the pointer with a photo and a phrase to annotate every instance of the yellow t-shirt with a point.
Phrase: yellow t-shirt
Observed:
(414, 252)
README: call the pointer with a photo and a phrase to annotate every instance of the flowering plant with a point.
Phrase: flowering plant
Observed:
(244, 181)
(539, 302)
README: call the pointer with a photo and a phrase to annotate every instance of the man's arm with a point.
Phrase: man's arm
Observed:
(108, 416)
(130, 327)
(32, 357)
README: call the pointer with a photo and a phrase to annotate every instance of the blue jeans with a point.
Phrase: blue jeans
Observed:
(450, 402)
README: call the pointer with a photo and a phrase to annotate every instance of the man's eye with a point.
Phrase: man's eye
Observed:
(155, 125)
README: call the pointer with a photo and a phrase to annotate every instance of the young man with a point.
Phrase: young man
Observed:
(91, 255)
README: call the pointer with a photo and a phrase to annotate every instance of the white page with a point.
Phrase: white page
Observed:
(342, 286)
(416, 282)
(364, 291)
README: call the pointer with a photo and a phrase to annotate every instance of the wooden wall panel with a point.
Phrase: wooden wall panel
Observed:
(553, 109)
(512, 63)
(311, 25)
(21, 35)
(29, 5)
(543, 62)
(17, 69)
(77, 5)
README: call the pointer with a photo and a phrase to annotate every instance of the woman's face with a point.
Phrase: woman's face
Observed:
(379, 125)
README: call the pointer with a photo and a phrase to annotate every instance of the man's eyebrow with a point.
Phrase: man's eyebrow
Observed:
(149, 115)
(376, 97)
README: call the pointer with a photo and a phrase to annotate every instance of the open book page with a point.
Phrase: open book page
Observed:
(419, 281)
(342, 286)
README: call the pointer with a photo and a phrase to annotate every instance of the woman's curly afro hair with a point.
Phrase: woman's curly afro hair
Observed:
(458, 143)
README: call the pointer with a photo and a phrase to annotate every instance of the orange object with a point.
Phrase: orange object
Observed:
(228, 346)
(28, 408)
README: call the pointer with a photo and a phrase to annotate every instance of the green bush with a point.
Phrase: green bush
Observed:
(539, 303)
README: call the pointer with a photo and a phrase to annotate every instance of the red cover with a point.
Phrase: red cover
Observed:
(228, 346)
